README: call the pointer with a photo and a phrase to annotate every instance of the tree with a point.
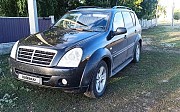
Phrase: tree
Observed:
(13, 7)
(148, 9)
(8, 7)
(134, 4)
(55, 7)
(144, 8)
(177, 15)
(161, 10)
(22, 7)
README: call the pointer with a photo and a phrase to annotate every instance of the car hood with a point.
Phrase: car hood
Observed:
(56, 37)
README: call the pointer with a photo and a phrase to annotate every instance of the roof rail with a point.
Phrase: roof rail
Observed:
(83, 7)
(121, 7)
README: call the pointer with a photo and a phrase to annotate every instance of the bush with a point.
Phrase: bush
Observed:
(177, 15)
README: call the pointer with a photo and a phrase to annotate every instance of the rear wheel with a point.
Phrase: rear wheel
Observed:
(137, 53)
(99, 81)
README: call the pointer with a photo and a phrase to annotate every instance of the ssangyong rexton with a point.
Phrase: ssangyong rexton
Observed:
(81, 51)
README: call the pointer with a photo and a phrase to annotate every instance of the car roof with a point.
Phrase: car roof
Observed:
(100, 9)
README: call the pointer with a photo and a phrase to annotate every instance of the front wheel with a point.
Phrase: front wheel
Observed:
(99, 81)
(137, 53)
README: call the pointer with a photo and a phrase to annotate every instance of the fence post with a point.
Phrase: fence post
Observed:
(52, 19)
(156, 21)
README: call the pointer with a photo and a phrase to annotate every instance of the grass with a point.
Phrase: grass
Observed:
(151, 85)
(165, 37)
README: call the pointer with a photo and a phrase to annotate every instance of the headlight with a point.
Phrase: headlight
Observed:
(72, 58)
(13, 51)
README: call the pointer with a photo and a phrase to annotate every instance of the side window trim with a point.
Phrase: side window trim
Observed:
(123, 18)
(133, 18)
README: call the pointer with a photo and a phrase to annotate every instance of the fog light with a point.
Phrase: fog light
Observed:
(64, 81)
(11, 70)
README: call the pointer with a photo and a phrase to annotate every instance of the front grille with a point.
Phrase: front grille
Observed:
(39, 56)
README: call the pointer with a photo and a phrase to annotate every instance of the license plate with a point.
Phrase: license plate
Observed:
(30, 78)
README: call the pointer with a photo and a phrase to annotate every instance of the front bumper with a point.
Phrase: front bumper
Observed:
(51, 76)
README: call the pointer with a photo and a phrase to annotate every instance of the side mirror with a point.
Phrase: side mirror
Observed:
(120, 30)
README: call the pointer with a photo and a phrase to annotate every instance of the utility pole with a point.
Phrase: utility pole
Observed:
(173, 6)
(33, 19)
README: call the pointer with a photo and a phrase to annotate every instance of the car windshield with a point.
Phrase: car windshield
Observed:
(84, 21)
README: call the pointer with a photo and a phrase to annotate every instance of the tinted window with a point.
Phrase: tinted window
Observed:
(118, 21)
(128, 20)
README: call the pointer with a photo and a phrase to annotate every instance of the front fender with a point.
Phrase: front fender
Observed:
(92, 63)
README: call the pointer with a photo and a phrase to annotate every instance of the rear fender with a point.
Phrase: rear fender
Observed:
(138, 39)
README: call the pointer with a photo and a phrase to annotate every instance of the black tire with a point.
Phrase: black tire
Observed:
(137, 53)
(94, 91)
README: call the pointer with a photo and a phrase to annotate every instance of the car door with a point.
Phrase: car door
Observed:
(118, 42)
(131, 32)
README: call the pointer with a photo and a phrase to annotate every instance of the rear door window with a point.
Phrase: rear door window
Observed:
(128, 20)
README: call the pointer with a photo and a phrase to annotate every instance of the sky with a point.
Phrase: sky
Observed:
(168, 4)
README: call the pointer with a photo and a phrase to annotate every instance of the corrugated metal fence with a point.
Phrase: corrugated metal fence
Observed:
(15, 28)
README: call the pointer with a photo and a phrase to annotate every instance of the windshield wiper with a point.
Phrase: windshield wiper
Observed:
(56, 27)
(81, 23)
(81, 29)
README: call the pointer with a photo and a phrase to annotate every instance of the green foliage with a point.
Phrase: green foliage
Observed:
(56, 7)
(144, 8)
(8, 7)
(148, 9)
(161, 10)
(177, 15)
(13, 8)
(22, 7)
